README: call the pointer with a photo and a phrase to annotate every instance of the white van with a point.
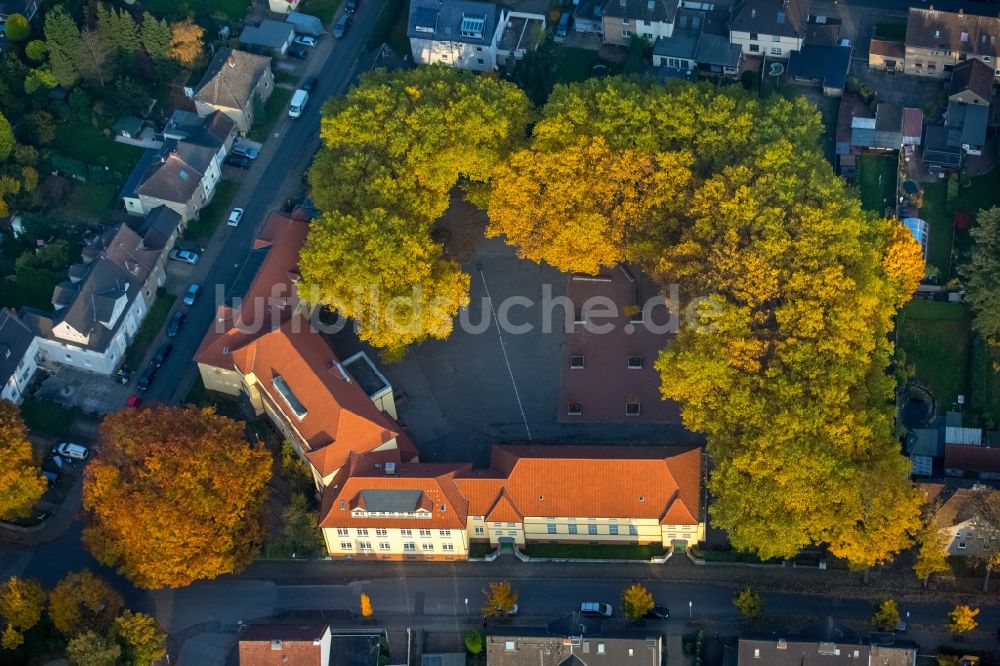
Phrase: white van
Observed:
(299, 100)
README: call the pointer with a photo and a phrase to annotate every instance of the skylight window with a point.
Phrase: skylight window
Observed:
(286, 393)
(472, 26)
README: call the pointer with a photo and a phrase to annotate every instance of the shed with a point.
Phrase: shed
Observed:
(305, 24)
(67, 166)
(129, 127)
(270, 35)
(913, 126)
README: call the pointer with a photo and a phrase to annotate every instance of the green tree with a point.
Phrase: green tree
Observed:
(886, 616)
(41, 127)
(21, 604)
(474, 642)
(501, 599)
(155, 35)
(93, 649)
(17, 28)
(21, 480)
(299, 532)
(6, 138)
(142, 640)
(749, 604)
(62, 37)
(40, 78)
(535, 73)
(636, 602)
(83, 602)
(36, 50)
(962, 619)
(96, 55)
(982, 275)
(119, 28)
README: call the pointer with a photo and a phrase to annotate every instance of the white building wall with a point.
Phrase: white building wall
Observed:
(454, 54)
(16, 384)
(765, 45)
(103, 363)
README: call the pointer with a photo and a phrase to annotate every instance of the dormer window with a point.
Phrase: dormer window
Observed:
(472, 26)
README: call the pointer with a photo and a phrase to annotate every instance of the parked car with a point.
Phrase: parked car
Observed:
(176, 322)
(234, 217)
(595, 609)
(192, 294)
(306, 40)
(343, 23)
(162, 354)
(562, 29)
(239, 161)
(244, 150)
(658, 613)
(297, 52)
(133, 402)
(186, 256)
(351, 6)
(147, 378)
(309, 84)
(71, 450)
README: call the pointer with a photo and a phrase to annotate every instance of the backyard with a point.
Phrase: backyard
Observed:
(274, 107)
(172, 9)
(935, 337)
(84, 142)
(877, 181)
(942, 229)
(574, 64)
(324, 10)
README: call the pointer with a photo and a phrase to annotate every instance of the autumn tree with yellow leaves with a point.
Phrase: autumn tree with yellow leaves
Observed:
(962, 619)
(185, 468)
(21, 605)
(82, 602)
(21, 480)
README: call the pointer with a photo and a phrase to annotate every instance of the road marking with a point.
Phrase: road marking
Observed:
(503, 348)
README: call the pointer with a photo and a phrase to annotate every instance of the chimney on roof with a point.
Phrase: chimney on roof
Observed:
(335, 365)
(231, 61)
(782, 644)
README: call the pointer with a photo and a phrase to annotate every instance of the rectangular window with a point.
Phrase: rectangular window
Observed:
(552, 528)
(444, 533)
(365, 545)
(511, 524)
(633, 362)
(448, 546)
(632, 530)
(776, 51)
(753, 36)
(409, 547)
(383, 545)
(406, 533)
(775, 38)
(632, 408)
(479, 530)
(754, 48)
(624, 21)
(572, 529)
(426, 546)
(613, 530)
(346, 545)
(626, 33)
(961, 545)
(480, 61)
(342, 531)
(574, 409)
(425, 534)
(381, 532)
(479, 48)
(591, 529)
(362, 532)
(576, 362)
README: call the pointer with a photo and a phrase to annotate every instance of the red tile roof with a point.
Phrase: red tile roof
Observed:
(973, 458)
(340, 417)
(913, 122)
(271, 287)
(298, 646)
(887, 49)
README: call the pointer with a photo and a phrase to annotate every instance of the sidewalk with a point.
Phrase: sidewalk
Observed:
(63, 514)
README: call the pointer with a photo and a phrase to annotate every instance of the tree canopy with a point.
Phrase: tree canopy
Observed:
(21, 480)
(142, 639)
(636, 602)
(21, 604)
(982, 275)
(501, 598)
(394, 151)
(199, 477)
(82, 602)
(749, 604)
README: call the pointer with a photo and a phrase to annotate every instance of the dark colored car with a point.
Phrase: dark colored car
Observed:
(309, 84)
(147, 378)
(343, 23)
(162, 354)
(122, 375)
(176, 322)
(297, 52)
(351, 6)
(658, 613)
(239, 161)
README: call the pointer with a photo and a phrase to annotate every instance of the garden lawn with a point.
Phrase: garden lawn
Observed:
(891, 31)
(875, 196)
(84, 142)
(276, 105)
(48, 417)
(211, 215)
(177, 9)
(586, 551)
(574, 64)
(324, 10)
(935, 337)
(942, 229)
(150, 328)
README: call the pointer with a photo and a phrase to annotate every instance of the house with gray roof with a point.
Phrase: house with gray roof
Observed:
(97, 310)
(938, 41)
(18, 351)
(649, 19)
(183, 173)
(963, 131)
(700, 43)
(769, 28)
(787, 652)
(232, 82)
(272, 37)
(522, 646)
(821, 65)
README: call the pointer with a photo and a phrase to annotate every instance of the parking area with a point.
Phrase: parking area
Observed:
(77, 389)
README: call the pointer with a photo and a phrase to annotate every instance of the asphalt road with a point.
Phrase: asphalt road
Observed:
(295, 141)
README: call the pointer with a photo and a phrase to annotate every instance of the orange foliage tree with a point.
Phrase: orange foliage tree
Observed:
(21, 480)
(83, 602)
(176, 495)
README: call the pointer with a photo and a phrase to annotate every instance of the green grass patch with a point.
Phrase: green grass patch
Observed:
(942, 229)
(84, 142)
(282, 76)
(275, 106)
(895, 32)
(390, 27)
(480, 549)
(324, 10)
(935, 337)
(877, 182)
(172, 9)
(211, 215)
(150, 328)
(735, 556)
(574, 64)
(586, 551)
(90, 201)
(48, 417)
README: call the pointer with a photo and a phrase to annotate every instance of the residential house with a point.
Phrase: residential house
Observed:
(232, 83)
(98, 309)
(769, 28)
(957, 517)
(521, 33)
(924, 446)
(937, 41)
(273, 37)
(886, 55)
(963, 131)
(26, 8)
(822, 65)
(587, 17)
(183, 173)
(457, 33)
(649, 19)
(18, 349)
(285, 645)
(700, 43)
(263, 348)
(377, 508)
(972, 460)
(517, 646)
(783, 652)
(283, 6)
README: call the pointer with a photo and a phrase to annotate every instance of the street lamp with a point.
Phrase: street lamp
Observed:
(690, 610)
(467, 605)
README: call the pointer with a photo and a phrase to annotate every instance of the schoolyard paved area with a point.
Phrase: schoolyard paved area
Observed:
(458, 396)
